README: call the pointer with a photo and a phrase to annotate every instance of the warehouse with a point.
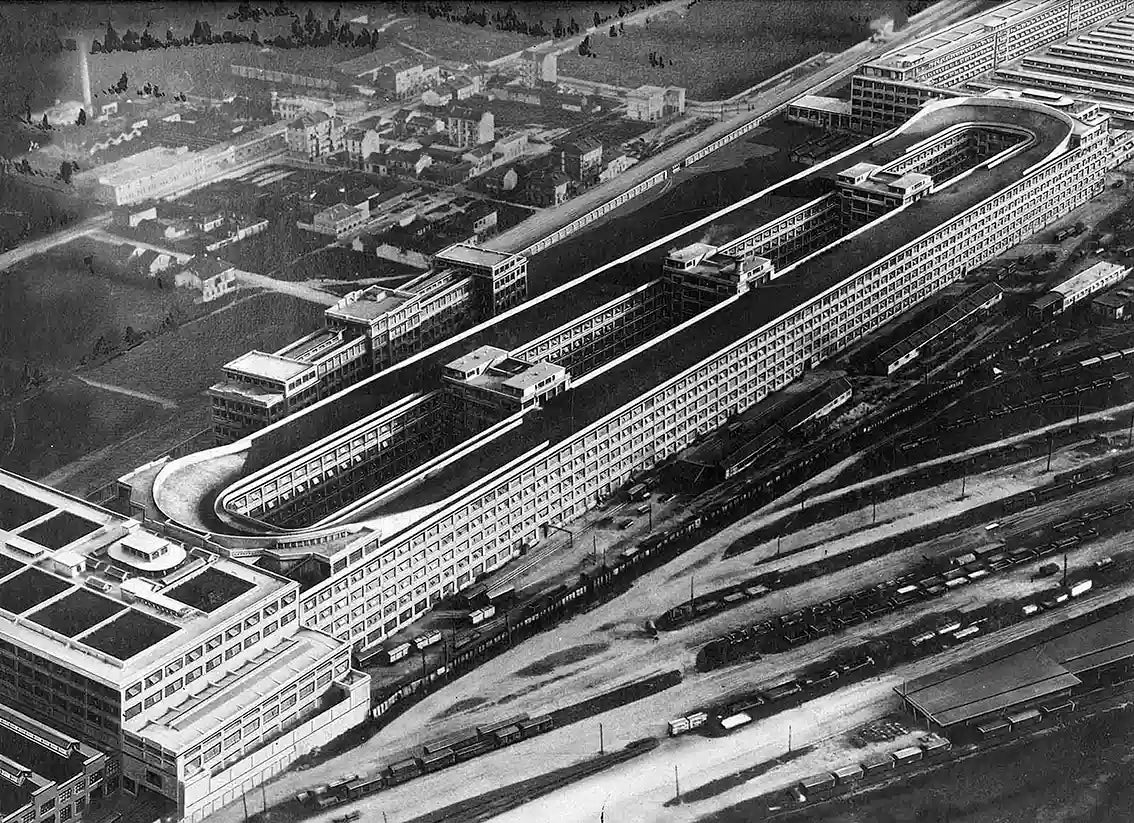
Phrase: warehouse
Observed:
(1045, 669)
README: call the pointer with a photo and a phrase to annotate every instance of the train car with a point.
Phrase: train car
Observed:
(424, 641)
(501, 596)
(507, 735)
(398, 652)
(438, 760)
(404, 770)
(473, 750)
(478, 616)
(782, 691)
(536, 725)
(454, 741)
(487, 730)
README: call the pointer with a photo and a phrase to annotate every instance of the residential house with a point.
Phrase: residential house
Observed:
(453, 174)
(361, 143)
(465, 87)
(409, 162)
(210, 276)
(210, 221)
(510, 147)
(289, 108)
(441, 95)
(315, 136)
(339, 220)
(615, 166)
(469, 126)
(581, 159)
(151, 262)
(540, 65)
(546, 187)
(653, 102)
(484, 218)
(500, 179)
(480, 158)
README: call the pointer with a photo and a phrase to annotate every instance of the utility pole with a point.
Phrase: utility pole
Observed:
(601, 747)
(594, 548)
(651, 512)
(690, 594)
(964, 477)
(874, 510)
(264, 794)
(244, 800)
(779, 539)
(1130, 433)
(423, 664)
(1064, 569)
(676, 784)
(1050, 443)
(789, 738)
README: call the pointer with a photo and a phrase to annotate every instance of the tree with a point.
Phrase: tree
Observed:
(598, 20)
(621, 28)
(65, 171)
(169, 37)
(130, 40)
(585, 46)
(45, 125)
(558, 31)
(81, 120)
(111, 42)
(254, 37)
(613, 32)
(96, 47)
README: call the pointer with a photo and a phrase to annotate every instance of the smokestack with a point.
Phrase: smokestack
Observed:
(85, 76)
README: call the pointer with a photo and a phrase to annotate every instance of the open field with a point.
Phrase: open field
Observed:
(28, 211)
(70, 419)
(183, 364)
(56, 307)
(720, 48)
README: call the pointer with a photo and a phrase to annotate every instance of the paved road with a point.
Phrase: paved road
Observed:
(115, 239)
(34, 247)
(300, 290)
(164, 402)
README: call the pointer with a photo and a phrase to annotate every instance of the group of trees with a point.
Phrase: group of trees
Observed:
(245, 12)
(311, 32)
(510, 21)
(659, 61)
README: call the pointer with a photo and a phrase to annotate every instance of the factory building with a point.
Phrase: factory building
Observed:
(619, 384)
(365, 332)
(191, 671)
(947, 63)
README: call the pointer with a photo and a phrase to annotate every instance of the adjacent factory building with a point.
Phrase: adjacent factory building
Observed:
(538, 417)
(157, 664)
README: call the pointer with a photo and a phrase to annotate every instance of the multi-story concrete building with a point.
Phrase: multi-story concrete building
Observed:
(891, 89)
(367, 331)
(392, 72)
(454, 477)
(360, 143)
(540, 65)
(315, 136)
(288, 108)
(580, 159)
(190, 670)
(47, 776)
(469, 126)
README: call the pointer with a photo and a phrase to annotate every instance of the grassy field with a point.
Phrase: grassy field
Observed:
(69, 419)
(55, 308)
(722, 47)
(29, 211)
(182, 365)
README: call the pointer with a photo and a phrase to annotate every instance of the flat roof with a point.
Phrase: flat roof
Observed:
(970, 694)
(17, 509)
(210, 590)
(238, 690)
(268, 366)
(1087, 278)
(709, 333)
(470, 255)
(715, 329)
(370, 304)
(103, 634)
(59, 530)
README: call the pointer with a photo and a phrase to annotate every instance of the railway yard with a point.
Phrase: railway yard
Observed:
(749, 635)
(996, 510)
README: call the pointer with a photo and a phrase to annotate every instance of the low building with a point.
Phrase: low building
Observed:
(152, 262)
(480, 158)
(212, 276)
(829, 113)
(465, 87)
(315, 136)
(1113, 305)
(500, 179)
(484, 218)
(392, 72)
(288, 108)
(1076, 288)
(360, 143)
(616, 166)
(546, 187)
(408, 162)
(339, 220)
(509, 148)
(580, 159)
(469, 126)
(651, 103)
(439, 96)
(453, 174)
(48, 776)
(209, 221)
